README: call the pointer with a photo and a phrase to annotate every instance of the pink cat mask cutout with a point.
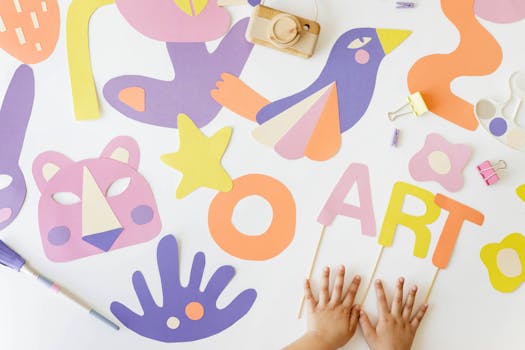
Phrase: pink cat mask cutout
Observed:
(95, 205)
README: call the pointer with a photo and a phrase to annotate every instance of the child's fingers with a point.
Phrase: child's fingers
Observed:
(354, 318)
(338, 286)
(381, 299)
(309, 296)
(409, 305)
(397, 303)
(349, 298)
(369, 331)
(324, 295)
(418, 317)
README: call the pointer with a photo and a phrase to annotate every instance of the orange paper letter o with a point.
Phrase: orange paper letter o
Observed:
(272, 242)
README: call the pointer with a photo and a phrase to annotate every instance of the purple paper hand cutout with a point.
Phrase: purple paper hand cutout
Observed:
(14, 117)
(186, 314)
(159, 102)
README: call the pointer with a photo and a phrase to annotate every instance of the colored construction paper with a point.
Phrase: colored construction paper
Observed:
(417, 223)
(440, 161)
(274, 240)
(176, 20)
(500, 11)
(358, 174)
(14, 116)
(101, 219)
(458, 214)
(185, 312)
(29, 29)
(505, 262)
(331, 105)
(500, 119)
(477, 54)
(199, 158)
(520, 191)
(159, 102)
(85, 100)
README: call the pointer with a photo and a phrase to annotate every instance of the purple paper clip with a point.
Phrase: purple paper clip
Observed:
(405, 5)
(395, 138)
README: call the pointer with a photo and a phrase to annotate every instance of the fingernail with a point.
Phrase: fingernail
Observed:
(378, 282)
(401, 279)
(357, 278)
(361, 312)
(414, 288)
(326, 269)
(358, 308)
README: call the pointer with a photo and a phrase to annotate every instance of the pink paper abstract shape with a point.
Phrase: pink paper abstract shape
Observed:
(294, 142)
(500, 11)
(66, 234)
(355, 173)
(164, 20)
(457, 155)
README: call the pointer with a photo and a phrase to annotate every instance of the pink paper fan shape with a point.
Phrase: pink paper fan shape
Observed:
(500, 11)
(176, 20)
(440, 161)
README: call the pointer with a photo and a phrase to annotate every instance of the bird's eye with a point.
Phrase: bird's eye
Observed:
(359, 42)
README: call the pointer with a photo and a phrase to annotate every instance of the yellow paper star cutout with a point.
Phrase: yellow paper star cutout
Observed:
(199, 158)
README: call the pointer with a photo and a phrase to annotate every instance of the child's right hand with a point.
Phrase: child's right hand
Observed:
(396, 327)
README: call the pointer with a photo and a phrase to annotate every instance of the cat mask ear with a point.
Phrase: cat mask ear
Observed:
(123, 149)
(47, 165)
(15, 112)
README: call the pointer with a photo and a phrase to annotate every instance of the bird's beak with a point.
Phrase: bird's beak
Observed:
(391, 38)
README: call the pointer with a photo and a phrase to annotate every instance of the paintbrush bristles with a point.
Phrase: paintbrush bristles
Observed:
(9, 258)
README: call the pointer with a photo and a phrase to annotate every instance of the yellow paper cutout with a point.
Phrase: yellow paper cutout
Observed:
(188, 6)
(520, 191)
(97, 215)
(491, 257)
(391, 38)
(394, 216)
(199, 158)
(85, 100)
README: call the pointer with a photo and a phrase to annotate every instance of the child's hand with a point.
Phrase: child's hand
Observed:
(396, 327)
(331, 320)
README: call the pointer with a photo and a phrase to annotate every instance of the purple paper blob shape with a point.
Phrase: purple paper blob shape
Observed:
(171, 322)
(59, 235)
(142, 214)
(498, 126)
(14, 116)
(196, 72)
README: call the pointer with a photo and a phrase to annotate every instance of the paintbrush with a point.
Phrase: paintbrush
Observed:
(9, 258)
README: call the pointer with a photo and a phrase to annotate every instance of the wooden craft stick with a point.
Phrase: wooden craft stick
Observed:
(431, 285)
(372, 276)
(321, 236)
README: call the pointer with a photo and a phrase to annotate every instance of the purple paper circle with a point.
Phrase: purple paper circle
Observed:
(142, 214)
(498, 126)
(59, 235)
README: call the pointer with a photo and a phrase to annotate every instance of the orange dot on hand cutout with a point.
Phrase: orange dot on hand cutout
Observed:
(274, 240)
(194, 311)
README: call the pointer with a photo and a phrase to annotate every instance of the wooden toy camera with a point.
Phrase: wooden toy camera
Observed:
(283, 31)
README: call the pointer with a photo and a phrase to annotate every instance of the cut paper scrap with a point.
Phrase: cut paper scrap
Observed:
(520, 191)
(274, 240)
(505, 262)
(176, 20)
(94, 205)
(85, 100)
(159, 102)
(440, 161)
(185, 313)
(310, 123)
(29, 29)
(14, 116)
(199, 158)
(500, 11)
(478, 54)
(500, 119)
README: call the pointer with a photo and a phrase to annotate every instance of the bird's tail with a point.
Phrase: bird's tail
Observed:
(238, 97)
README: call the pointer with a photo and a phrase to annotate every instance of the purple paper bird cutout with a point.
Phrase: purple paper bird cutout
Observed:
(186, 314)
(14, 117)
(159, 102)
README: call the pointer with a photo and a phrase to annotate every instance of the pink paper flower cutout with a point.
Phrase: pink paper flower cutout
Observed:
(440, 161)
(176, 20)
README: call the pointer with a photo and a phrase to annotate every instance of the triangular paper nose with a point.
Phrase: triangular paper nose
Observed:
(104, 240)
(391, 38)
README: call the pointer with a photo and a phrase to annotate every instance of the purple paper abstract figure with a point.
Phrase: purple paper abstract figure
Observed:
(14, 117)
(159, 102)
(186, 313)
(310, 122)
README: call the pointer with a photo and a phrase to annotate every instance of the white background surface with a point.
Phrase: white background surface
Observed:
(465, 312)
